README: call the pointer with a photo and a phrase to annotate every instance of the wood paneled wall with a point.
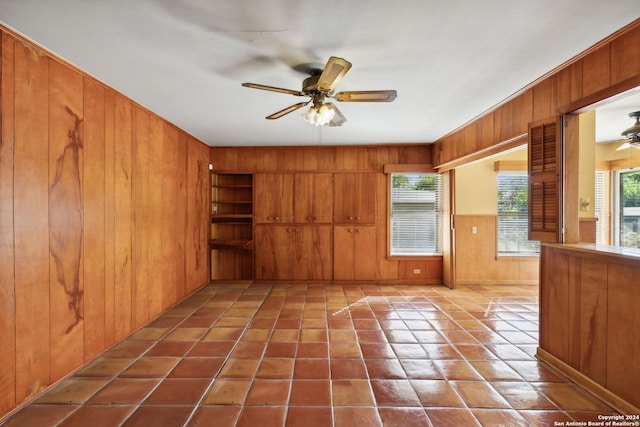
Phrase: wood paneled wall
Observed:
(103, 221)
(589, 320)
(364, 159)
(476, 256)
(613, 66)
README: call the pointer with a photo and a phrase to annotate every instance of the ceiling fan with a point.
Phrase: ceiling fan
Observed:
(632, 134)
(319, 87)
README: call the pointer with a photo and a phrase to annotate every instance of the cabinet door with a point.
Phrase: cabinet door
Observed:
(312, 258)
(274, 252)
(273, 194)
(354, 198)
(354, 256)
(365, 260)
(343, 252)
(313, 198)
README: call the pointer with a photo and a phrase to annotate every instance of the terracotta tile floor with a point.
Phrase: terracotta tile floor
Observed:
(315, 355)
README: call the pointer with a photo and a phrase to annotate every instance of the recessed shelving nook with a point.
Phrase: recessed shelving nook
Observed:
(231, 240)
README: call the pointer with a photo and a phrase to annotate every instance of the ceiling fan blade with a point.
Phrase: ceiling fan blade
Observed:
(366, 96)
(624, 146)
(338, 119)
(287, 110)
(335, 69)
(273, 89)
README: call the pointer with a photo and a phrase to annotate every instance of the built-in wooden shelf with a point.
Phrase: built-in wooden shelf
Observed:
(239, 244)
(232, 218)
(231, 239)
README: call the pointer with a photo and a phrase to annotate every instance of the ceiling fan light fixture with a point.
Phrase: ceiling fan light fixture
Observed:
(319, 115)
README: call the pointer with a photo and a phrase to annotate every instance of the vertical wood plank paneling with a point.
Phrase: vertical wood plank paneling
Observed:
(109, 219)
(542, 101)
(485, 132)
(558, 306)
(174, 202)
(470, 138)
(596, 70)
(31, 224)
(198, 210)
(66, 141)
(67, 219)
(624, 65)
(141, 193)
(522, 112)
(623, 371)
(7, 254)
(123, 218)
(154, 214)
(93, 190)
(593, 320)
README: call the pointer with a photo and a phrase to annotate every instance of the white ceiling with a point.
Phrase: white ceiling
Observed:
(450, 61)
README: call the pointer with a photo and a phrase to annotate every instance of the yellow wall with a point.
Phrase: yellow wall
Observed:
(476, 227)
(586, 179)
(476, 184)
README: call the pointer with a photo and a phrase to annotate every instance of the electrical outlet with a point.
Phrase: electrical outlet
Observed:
(416, 271)
(474, 230)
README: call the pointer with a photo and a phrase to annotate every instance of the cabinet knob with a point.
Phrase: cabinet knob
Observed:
(357, 218)
(350, 218)
(277, 218)
(350, 231)
(357, 230)
(315, 217)
(309, 218)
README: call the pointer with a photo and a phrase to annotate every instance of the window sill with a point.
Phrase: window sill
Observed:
(402, 257)
(517, 258)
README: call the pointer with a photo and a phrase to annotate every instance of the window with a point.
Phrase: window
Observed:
(600, 208)
(513, 222)
(627, 208)
(415, 214)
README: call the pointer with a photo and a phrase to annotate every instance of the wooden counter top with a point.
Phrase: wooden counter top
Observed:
(600, 250)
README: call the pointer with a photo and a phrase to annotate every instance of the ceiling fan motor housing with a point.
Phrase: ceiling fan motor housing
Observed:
(633, 133)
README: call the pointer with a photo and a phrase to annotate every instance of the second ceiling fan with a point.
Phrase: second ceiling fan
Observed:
(319, 87)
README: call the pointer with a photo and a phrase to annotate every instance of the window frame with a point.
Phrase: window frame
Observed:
(418, 172)
(520, 255)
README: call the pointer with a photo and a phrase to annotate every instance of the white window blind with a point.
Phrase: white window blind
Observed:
(513, 221)
(415, 214)
(602, 229)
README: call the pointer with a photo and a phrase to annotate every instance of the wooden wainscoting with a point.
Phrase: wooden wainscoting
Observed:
(476, 261)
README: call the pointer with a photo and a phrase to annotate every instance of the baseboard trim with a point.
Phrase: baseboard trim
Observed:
(601, 392)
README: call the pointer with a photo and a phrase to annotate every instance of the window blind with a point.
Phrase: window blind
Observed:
(513, 222)
(415, 214)
(602, 229)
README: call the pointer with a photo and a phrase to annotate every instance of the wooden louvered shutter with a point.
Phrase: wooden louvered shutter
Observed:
(545, 195)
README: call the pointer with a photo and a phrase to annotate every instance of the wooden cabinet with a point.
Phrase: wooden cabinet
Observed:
(274, 198)
(354, 256)
(313, 198)
(354, 198)
(293, 252)
(286, 198)
(231, 240)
